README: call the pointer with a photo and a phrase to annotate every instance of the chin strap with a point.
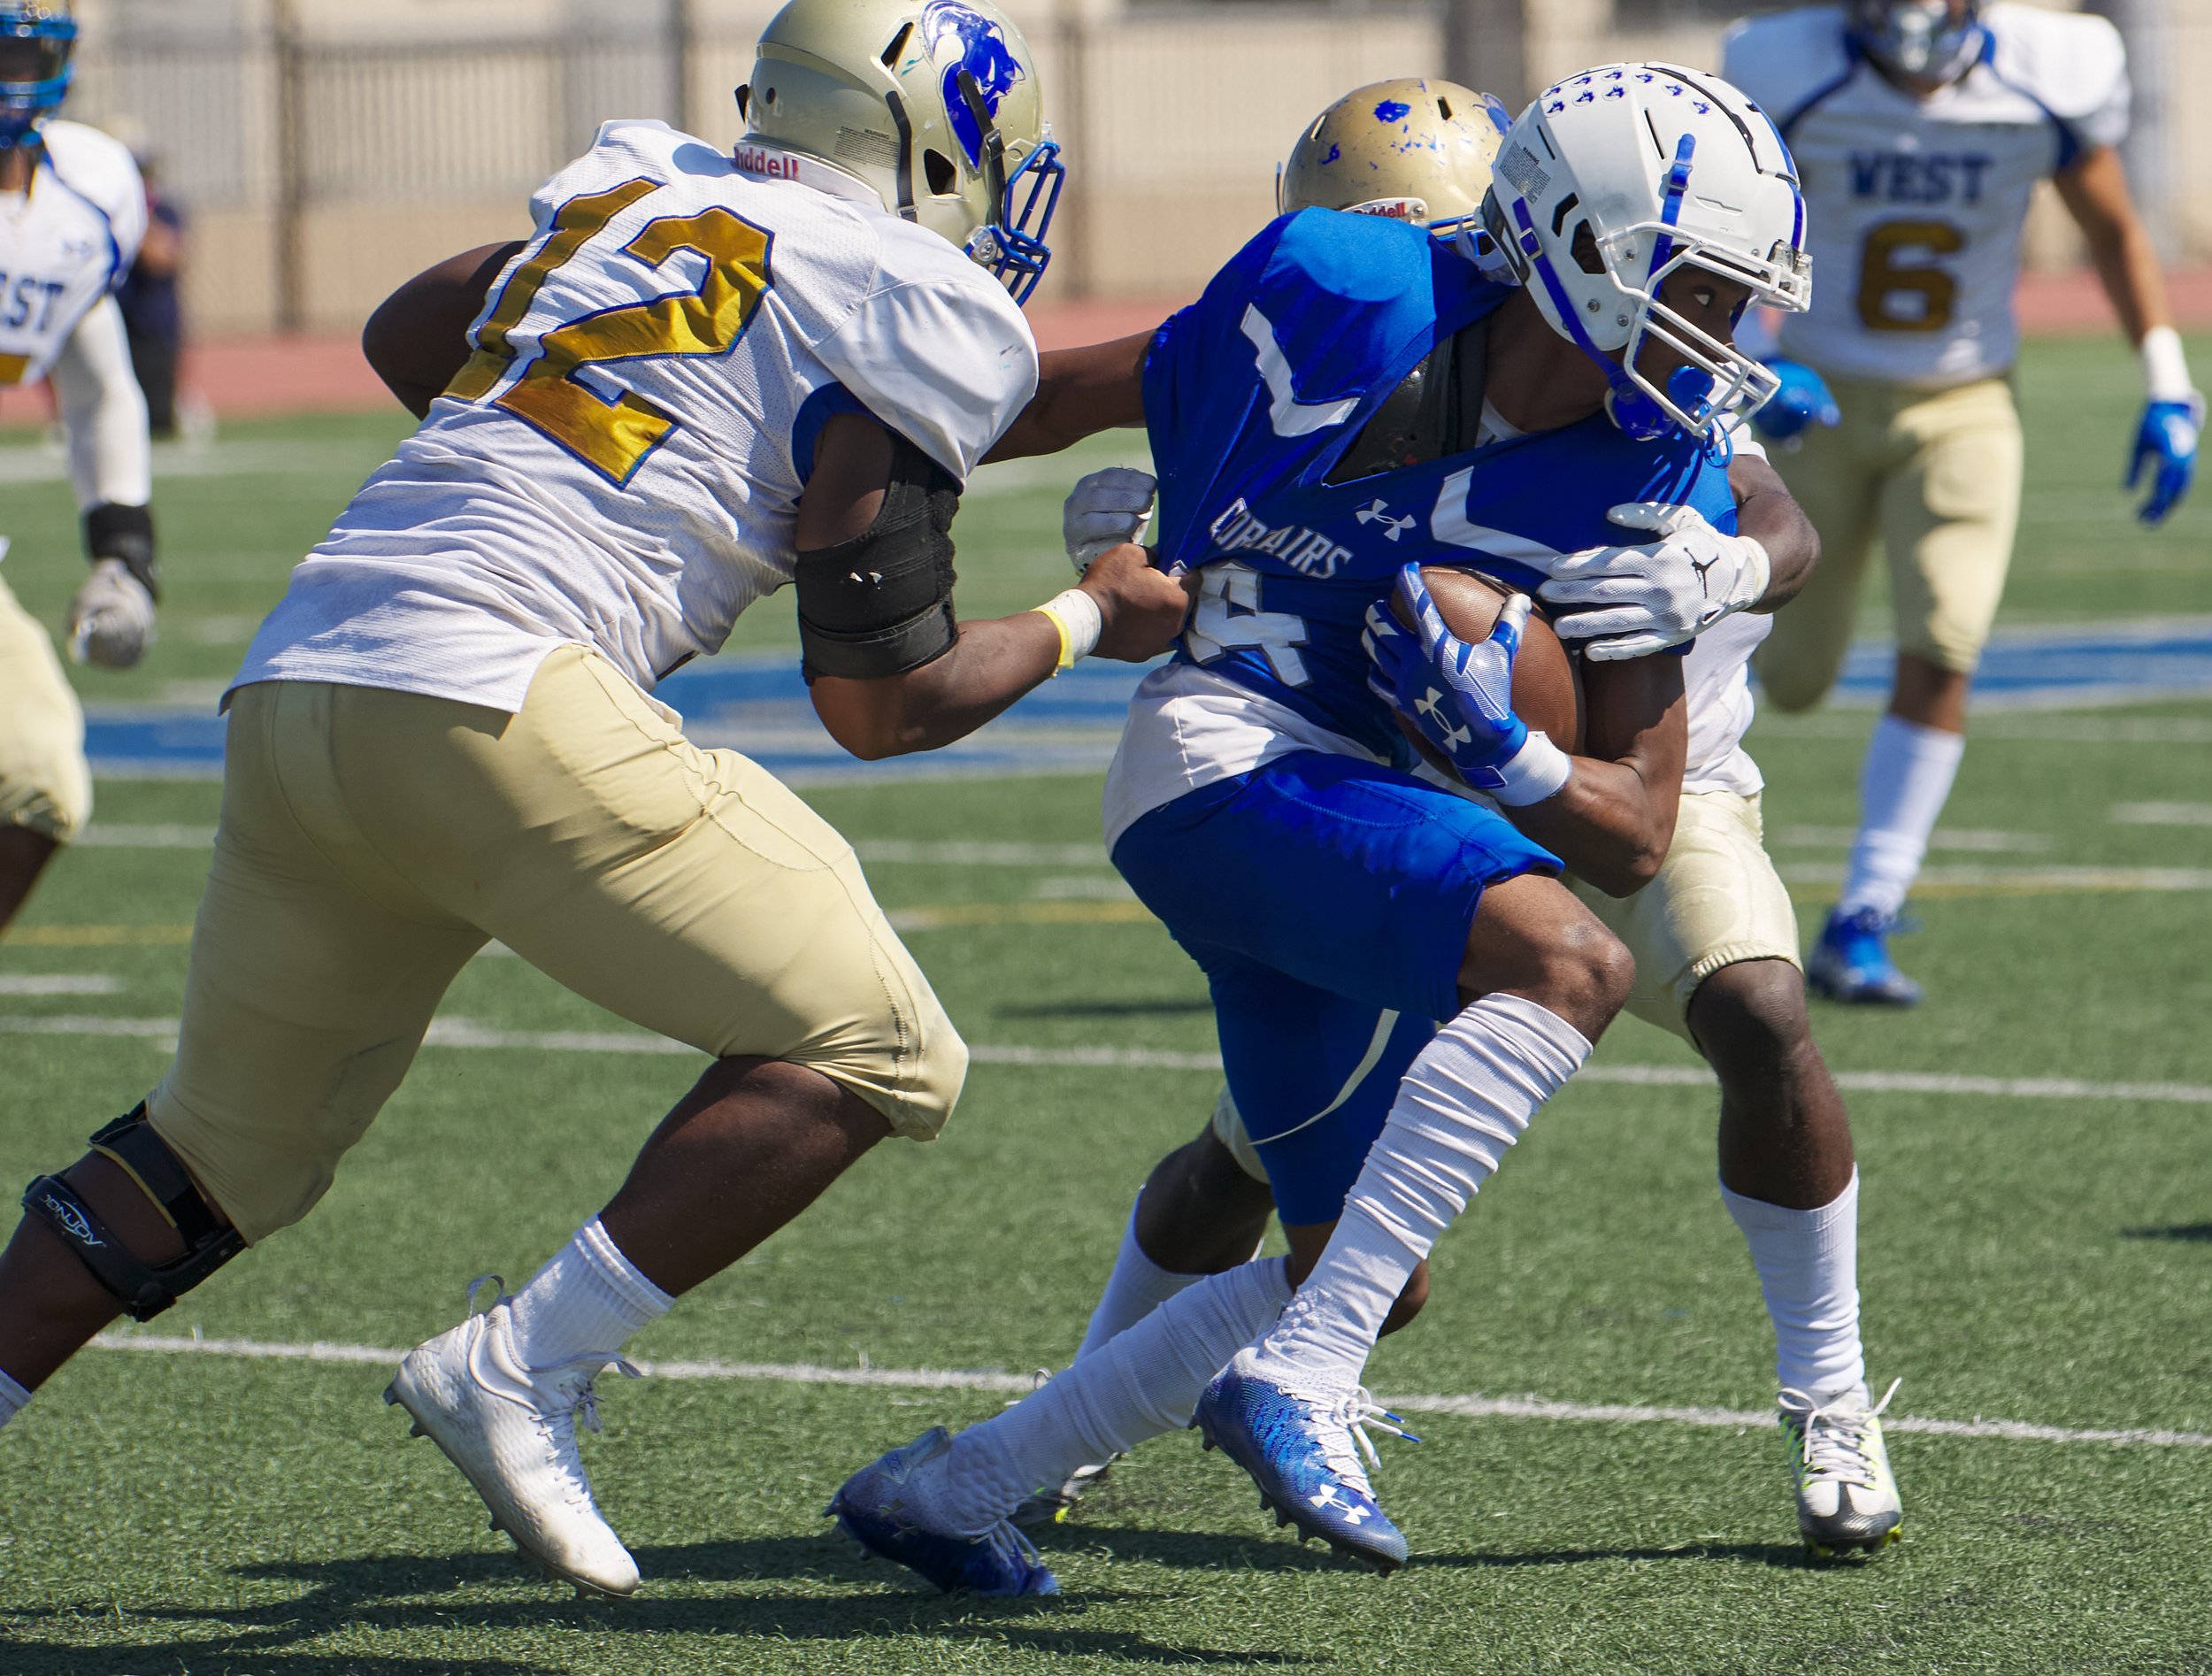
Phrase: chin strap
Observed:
(1638, 416)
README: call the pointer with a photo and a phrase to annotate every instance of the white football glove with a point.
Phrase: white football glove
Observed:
(111, 619)
(1629, 602)
(1105, 509)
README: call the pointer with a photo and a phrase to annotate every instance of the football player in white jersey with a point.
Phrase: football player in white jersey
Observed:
(701, 378)
(72, 212)
(1921, 127)
(1713, 935)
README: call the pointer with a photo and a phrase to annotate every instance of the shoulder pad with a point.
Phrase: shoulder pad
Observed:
(96, 165)
(2073, 64)
(1783, 60)
(1343, 296)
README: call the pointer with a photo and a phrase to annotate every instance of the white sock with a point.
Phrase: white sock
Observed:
(12, 1398)
(1464, 1100)
(1906, 776)
(588, 1300)
(1138, 1385)
(1809, 1269)
(1137, 1287)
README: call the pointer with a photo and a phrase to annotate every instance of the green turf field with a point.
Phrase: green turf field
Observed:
(2040, 1255)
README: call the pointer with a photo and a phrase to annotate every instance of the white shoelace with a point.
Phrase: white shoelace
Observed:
(575, 1400)
(1836, 1437)
(1348, 1418)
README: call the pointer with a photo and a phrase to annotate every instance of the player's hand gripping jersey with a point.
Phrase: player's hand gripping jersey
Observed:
(1917, 206)
(619, 466)
(66, 244)
(1254, 396)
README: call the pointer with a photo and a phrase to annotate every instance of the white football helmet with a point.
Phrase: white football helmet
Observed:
(932, 104)
(1615, 179)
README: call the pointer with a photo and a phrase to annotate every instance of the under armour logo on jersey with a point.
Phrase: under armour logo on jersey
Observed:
(1377, 512)
(1330, 1496)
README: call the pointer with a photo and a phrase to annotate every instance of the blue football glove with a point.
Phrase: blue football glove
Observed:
(1804, 399)
(1461, 696)
(2167, 435)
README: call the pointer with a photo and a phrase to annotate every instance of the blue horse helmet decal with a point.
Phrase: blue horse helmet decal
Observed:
(956, 38)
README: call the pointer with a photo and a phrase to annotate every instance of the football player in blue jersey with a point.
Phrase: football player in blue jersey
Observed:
(1260, 803)
(1713, 935)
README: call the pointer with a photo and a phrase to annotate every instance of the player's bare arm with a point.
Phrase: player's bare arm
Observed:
(2095, 189)
(1612, 821)
(864, 514)
(1768, 513)
(417, 339)
(1079, 393)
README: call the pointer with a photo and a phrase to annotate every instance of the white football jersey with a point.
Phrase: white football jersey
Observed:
(1915, 207)
(64, 244)
(619, 466)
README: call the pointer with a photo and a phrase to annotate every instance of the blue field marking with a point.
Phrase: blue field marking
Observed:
(758, 704)
(2123, 662)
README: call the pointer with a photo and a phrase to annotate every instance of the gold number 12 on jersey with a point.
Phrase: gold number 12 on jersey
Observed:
(614, 437)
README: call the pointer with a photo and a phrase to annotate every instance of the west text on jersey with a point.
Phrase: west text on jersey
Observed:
(1910, 177)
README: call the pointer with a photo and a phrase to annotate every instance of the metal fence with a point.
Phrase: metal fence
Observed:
(319, 172)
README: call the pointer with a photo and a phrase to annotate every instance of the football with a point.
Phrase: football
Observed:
(1547, 682)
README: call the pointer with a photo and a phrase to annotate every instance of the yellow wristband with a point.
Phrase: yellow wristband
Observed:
(1076, 615)
(1067, 657)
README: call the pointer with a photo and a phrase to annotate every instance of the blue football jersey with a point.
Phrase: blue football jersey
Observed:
(1254, 392)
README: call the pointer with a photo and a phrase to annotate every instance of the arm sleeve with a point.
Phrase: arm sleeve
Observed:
(946, 364)
(103, 411)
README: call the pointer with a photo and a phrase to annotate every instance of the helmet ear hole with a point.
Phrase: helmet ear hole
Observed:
(938, 171)
(1585, 251)
(744, 98)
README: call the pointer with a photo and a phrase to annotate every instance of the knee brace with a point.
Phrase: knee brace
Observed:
(145, 1290)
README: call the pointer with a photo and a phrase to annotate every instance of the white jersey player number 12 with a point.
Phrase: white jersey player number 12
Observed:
(614, 439)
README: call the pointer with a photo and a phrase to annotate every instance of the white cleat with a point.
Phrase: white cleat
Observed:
(1847, 1497)
(512, 1430)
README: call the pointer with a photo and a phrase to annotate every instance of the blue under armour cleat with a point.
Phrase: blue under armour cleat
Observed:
(1851, 963)
(879, 1508)
(1304, 1454)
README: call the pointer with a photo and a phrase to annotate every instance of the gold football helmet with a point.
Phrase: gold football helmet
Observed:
(934, 105)
(1414, 149)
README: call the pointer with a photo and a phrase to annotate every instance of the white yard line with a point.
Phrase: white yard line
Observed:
(59, 983)
(41, 465)
(2161, 814)
(2026, 880)
(2041, 728)
(105, 835)
(1517, 1408)
(468, 1033)
(101, 836)
(1943, 838)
